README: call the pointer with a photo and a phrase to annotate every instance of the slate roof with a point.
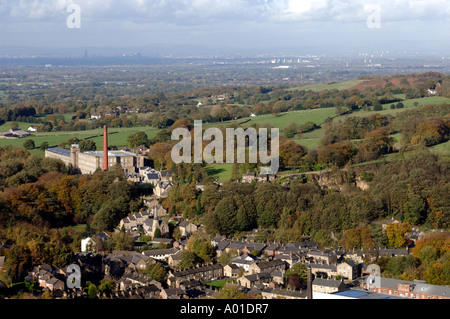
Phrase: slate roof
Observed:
(285, 292)
(197, 270)
(328, 283)
(59, 151)
(417, 287)
(170, 251)
(271, 264)
(222, 245)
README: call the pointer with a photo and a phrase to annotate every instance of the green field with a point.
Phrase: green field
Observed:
(308, 140)
(117, 136)
(318, 116)
(422, 101)
(388, 111)
(328, 86)
(220, 283)
(442, 149)
(221, 172)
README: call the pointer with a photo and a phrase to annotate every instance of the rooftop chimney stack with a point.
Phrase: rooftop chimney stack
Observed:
(105, 148)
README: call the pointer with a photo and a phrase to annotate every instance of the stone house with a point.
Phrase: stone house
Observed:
(202, 274)
(221, 247)
(267, 266)
(235, 247)
(175, 259)
(46, 278)
(162, 189)
(88, 245)
(133, 280)
(55, 284)
(271, 249)
(290, 259)
(249, 247)
(132, 222)
(322, 257)
(151, 225)
(348, 269)
(276, 293)
(244, 261)
(320, 270)
(160, 254)
(250, 281)
(328, 285)
(173, 293)
(231, 271)
(187, 228)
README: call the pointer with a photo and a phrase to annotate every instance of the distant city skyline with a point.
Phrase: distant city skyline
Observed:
(69, 27)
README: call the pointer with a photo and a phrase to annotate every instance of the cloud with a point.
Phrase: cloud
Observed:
(189, 12)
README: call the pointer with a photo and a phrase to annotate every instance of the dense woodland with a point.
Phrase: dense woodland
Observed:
(41, 201)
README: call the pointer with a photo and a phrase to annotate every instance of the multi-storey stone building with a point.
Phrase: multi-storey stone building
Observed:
(89, 162)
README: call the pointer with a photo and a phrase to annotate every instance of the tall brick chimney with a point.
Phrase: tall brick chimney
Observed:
(309, 283)
(105, 148)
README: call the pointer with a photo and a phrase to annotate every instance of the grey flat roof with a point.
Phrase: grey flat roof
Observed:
(59, 151)
(111, 153)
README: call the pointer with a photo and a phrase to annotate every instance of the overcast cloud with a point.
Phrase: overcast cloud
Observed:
(143, 22)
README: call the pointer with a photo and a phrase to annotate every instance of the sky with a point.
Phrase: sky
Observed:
(223, 26)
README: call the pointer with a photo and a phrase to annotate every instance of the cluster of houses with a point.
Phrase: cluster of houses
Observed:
(257, 269)
(336, 274)
(259, 178)
(160, 180)
(49, 277)
(154, 218)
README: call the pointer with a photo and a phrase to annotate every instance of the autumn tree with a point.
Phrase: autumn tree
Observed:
(431, 132)
(137, 139)
(29, 144)
(296, 276)
(375, 143)
(160, 153)
(396, 234)
(288, 151)
(87, 145)
(358, 238)
(230, 292)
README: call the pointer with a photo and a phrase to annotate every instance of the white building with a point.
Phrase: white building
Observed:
(88, 245)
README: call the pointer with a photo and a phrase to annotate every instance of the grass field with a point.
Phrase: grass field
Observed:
(318, 116)
(388, 111)
(220, 283)
(328, 86)
(422, 101)
(442, 149)
(221, 172)
(117, 136)
(79, 228)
